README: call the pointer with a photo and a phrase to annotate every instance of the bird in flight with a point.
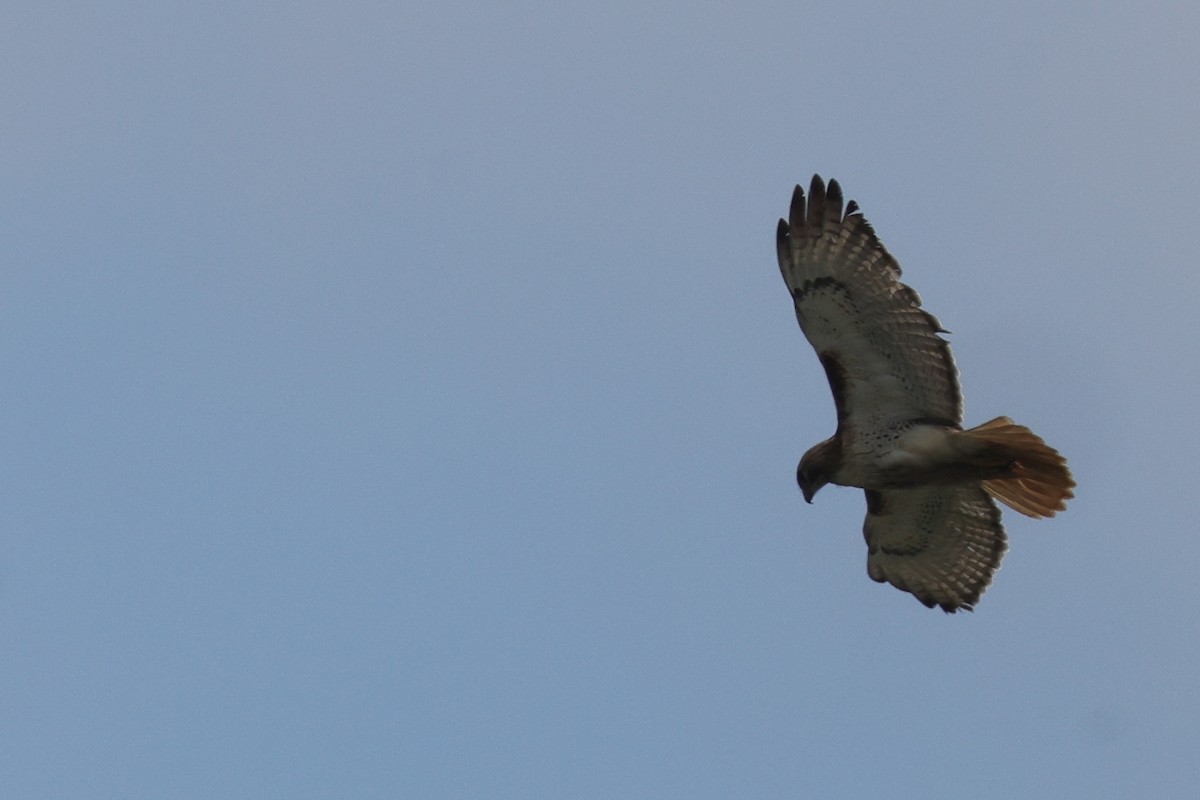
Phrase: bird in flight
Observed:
(932, 527)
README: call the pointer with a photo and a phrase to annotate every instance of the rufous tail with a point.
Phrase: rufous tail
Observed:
(1037, 482)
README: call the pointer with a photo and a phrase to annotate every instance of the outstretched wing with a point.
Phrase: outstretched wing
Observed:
(882, 354)
(942, 543)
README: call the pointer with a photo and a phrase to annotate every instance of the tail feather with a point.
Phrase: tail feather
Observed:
(1036, 480)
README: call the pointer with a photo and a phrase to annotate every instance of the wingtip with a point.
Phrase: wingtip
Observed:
(816, 195)
(825, 203)
(782, 230)
(796, 212)
(950, 608)
(783, 235)
(833, 193)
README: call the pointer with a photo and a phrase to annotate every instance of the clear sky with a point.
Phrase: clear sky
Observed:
(402, 400)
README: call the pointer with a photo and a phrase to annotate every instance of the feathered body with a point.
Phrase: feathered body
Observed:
(931, 528)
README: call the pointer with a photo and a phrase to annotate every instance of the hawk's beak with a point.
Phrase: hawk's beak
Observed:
(810, 488)
(810, 482)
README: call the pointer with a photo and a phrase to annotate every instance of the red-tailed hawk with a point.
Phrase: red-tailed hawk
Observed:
(932, 527)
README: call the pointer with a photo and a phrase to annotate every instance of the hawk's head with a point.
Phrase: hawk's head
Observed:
(817, 467)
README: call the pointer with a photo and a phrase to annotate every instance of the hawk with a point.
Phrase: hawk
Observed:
(932, 527)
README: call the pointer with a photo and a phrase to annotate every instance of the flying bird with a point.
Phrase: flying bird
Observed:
(932, 527)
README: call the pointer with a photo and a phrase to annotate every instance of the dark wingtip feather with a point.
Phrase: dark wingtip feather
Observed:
(796, 210)
(783, 247)
(816, 204)
(833, 199)
(783, 232)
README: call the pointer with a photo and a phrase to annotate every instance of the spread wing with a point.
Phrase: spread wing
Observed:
(882, 354)
(942, 543)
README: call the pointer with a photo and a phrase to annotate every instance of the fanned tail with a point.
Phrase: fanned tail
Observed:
(1036, 481)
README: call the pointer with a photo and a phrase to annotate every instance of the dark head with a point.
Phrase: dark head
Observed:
(815, 469)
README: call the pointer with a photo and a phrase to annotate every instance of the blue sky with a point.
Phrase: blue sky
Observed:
(403, 400)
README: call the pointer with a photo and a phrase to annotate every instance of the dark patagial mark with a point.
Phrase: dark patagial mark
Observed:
(825, 282)
(836, 375)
